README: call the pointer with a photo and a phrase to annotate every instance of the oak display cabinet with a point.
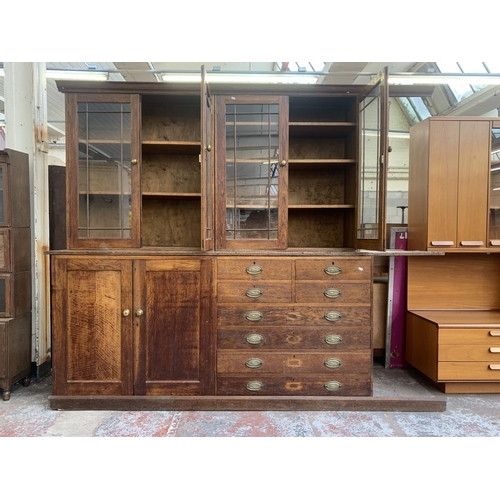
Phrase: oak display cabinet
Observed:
(218, 250)
(15, 271)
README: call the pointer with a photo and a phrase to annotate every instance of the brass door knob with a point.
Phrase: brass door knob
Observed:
(282, 163)
(139, 312)
(126, 312)
(134, 161)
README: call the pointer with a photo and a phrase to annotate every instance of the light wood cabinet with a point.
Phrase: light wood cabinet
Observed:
(15, 271)
(166, 183)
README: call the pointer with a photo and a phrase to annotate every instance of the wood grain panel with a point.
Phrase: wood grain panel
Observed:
(473, 180)
(470, 337)
(3, 349)
(422, 345)
(467, 353)
(295, 338)
(272, 269)
(316, 148)
(350, 293)
(300, 385)
(316, 187)
(235, 291)
(467, 371)
(317, 228)
(356, 268)
(293, 362)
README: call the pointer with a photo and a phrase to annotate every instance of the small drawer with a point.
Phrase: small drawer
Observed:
(469, 353)
(301, 385)
(255, 269)
(335, 269)
(293, 362)
(5, 264)
(469, 336)
(253, 293)
(468, 371)
(264, 315)
(325, 338)
(333, 293)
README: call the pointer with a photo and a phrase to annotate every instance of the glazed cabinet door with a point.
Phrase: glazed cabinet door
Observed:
(103, 170)
(494, 208)
(173, 341)
(92, 326)
(251, 172)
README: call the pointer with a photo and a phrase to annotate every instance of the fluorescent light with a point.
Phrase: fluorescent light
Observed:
(248, 78)
(442, 78)
(56, 74)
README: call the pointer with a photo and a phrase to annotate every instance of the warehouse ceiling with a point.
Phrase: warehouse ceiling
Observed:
(443, 101)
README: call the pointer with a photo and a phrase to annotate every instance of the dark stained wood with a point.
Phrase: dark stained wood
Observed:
(235, 291)
(352, 269)
(316, 148)
(316, 228)
(316, 187)
(57, 207)
(236, 268)
(350, 293)
(5, 250)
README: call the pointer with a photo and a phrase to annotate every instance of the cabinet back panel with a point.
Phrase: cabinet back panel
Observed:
(317, 228)
(316, 148)
(171, 174)
(171, 222)
(316, 187)
(322, 109)
(454, 281)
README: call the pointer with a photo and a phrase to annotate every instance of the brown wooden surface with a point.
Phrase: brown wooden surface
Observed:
(18, 191)
(422, 345)
(272, 269)
(470, 387)
(454, 281)
(9, 295)
(468, 353)
(274, 361)
(57, 207)
(295, 338)
(467, 371)
(5, 264)
(351, 293)
(469, 336)
(310, 148)
(3, 349)
(316, 187)
(352, 268)
(301, 384)
(235, 291)
(21, 284)
(320, 228)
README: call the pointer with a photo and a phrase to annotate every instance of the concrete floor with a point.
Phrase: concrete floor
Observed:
(27, 414)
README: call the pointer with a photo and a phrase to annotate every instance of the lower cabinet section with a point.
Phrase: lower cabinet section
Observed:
(188, 326)
(458, 350)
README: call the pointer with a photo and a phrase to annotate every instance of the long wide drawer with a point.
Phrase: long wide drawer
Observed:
(341, 316)
(464, 371)
(343, 268)
(254, 293)
(293, 362)
(257, 338)
(469, 336)
(303, 385)
(333, 293)
(247, 268)
(469, 353)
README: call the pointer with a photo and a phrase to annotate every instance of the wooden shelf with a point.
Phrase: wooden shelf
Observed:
(307, 207)
(172, 147)
(321, 161)
(103, 141)
(173, 195)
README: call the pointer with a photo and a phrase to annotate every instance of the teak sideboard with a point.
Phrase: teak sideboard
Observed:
(218, 246)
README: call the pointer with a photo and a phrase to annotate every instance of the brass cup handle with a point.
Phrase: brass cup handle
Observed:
(333, 363)
(254, 293)
(332, 316)
(333, 270)
(254, 315)
(332, 293)
(254, 385)
(253, 363)
(333, 339)
(126, 312)
(254, 339)
(254, 269)
(139, 312)
(333, 385)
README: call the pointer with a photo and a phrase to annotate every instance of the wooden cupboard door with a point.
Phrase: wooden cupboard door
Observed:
(473, 179)
(173, 345)
(92, 326)
(443, 184)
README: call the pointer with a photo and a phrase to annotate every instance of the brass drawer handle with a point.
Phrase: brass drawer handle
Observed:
(333, 339)
(333, 385)
(471, 243)
(333, 363)
(494, 367)
(332, 270)
(254, 269)
(254, 316)
(253, 363)
(494, 349)
(495, 243)
(254, 339)
(332, 316)
(332, 293)
(442, 243)
(254, 293)
(254, 385)
(495, 333)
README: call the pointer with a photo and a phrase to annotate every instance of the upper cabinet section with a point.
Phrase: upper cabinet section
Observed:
(453, 205)
(193, 168)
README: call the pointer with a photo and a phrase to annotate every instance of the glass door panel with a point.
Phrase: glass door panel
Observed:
(255, 174)
(494, 232)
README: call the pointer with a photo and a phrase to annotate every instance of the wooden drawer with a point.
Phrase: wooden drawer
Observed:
(303, 385)
(253, 269)
(344, 268)
(469, 353)
(294, 338)
(333, 293)
(468, 371)
(469, 336)
(340, 316)
(252, 293)
(293, 362)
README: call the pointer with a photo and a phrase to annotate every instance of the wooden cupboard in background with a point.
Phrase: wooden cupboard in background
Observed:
(454, 301)
(15, 270)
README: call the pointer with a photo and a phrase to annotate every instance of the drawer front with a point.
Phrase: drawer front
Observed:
(252, 293)
(339, 269)
(464, 371)
(293, 362)
(469, 353)
(333, 293)
(254, 269)
(303, 385)
(294, 338)
(340, 316)
(5, 250)
(469, 336)
(3, 351)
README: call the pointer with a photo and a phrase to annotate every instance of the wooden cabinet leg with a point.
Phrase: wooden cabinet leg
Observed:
(6, 395)
(26, 381)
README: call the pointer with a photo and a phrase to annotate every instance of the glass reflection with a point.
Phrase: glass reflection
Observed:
(495, 188)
